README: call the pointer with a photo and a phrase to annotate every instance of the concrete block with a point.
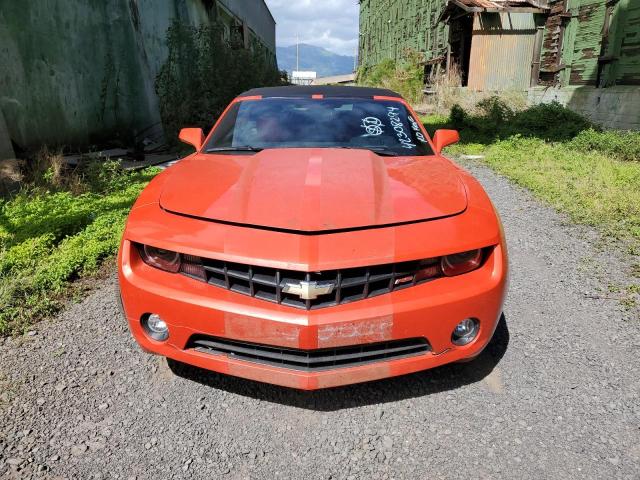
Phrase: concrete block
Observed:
(612, 107)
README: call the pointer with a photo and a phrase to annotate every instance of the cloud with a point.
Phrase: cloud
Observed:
(332, 24)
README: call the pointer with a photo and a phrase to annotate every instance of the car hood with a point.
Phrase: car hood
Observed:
(312, 190)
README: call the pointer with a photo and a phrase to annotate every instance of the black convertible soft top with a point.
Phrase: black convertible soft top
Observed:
(325, 90)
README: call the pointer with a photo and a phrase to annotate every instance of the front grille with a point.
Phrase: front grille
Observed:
(311, 360)
(348, 285)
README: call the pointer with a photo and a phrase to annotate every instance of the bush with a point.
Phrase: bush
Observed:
(458, 117)
(405, 77)
(495, 119)
(495, 111)
(623, 145)
(593, 188)
(49, 238)
(550, 121)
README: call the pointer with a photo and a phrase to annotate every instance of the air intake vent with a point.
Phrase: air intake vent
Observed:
(311, 360)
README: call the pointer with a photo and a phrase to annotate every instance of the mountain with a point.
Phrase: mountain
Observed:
(318, 59)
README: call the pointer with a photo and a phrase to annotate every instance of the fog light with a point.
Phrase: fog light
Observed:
(465, 331)
(155, 327)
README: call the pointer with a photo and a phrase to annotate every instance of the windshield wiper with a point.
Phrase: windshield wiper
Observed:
(241, 148)
(386, 152)
(383, 151)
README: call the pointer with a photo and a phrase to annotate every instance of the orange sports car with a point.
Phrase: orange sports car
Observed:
(317, 237)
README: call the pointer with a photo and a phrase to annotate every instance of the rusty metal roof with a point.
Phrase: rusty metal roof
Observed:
(473, 6)
(502, 4)
(478, 3)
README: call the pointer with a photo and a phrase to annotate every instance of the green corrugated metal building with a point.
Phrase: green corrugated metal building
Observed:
(592, 42)
(581, 42)
(590, 60)
(470, 35)
(389, 27)
(584, 53)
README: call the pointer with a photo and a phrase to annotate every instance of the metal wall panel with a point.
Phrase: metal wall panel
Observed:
(502, 51)
(97, 78)
(625, 44)
(258, 18)
(582, 54)
(389, 27)
(592, 42)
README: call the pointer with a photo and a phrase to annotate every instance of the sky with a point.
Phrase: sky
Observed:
(331, 24)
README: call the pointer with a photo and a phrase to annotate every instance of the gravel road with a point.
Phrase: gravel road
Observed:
(556, 394)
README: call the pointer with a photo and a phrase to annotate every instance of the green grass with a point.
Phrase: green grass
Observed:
(593, 188)
(591, 175)
(620, 145)
(48, 238)
(404, 76)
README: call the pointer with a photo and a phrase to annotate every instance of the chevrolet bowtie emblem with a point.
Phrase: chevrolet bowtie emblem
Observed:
(308, 290)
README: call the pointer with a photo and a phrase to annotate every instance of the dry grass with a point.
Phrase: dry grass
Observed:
(49, 169)
(11, 170)
(447, 91)
(55, 166)
(10, 176)
(45, 166)
(49, 165)
(447, 88)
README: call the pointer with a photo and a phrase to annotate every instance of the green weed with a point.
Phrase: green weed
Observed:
(49, 238)
(404, 77)
(204, 72)
(557, 154)
(622, 145)
(593, 188)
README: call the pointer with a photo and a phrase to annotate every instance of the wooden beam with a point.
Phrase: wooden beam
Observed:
(554, 69)
(465, 7)
(537, 53)
(515, 10)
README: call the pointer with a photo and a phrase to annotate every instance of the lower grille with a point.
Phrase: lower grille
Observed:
(311, 360)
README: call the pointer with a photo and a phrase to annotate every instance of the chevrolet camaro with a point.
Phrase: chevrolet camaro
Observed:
(317, 237)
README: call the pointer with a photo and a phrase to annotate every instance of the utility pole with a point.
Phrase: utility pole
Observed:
(355, 60)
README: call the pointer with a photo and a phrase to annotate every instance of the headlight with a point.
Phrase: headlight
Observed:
(460, 263)
(172, 262)
(159, 258)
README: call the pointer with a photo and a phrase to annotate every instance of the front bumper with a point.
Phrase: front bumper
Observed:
(429, 310)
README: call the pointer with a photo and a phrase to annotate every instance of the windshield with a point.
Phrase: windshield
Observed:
(385, 127)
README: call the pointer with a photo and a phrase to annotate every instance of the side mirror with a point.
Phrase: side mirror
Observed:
(442, 138)
(192, 136)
